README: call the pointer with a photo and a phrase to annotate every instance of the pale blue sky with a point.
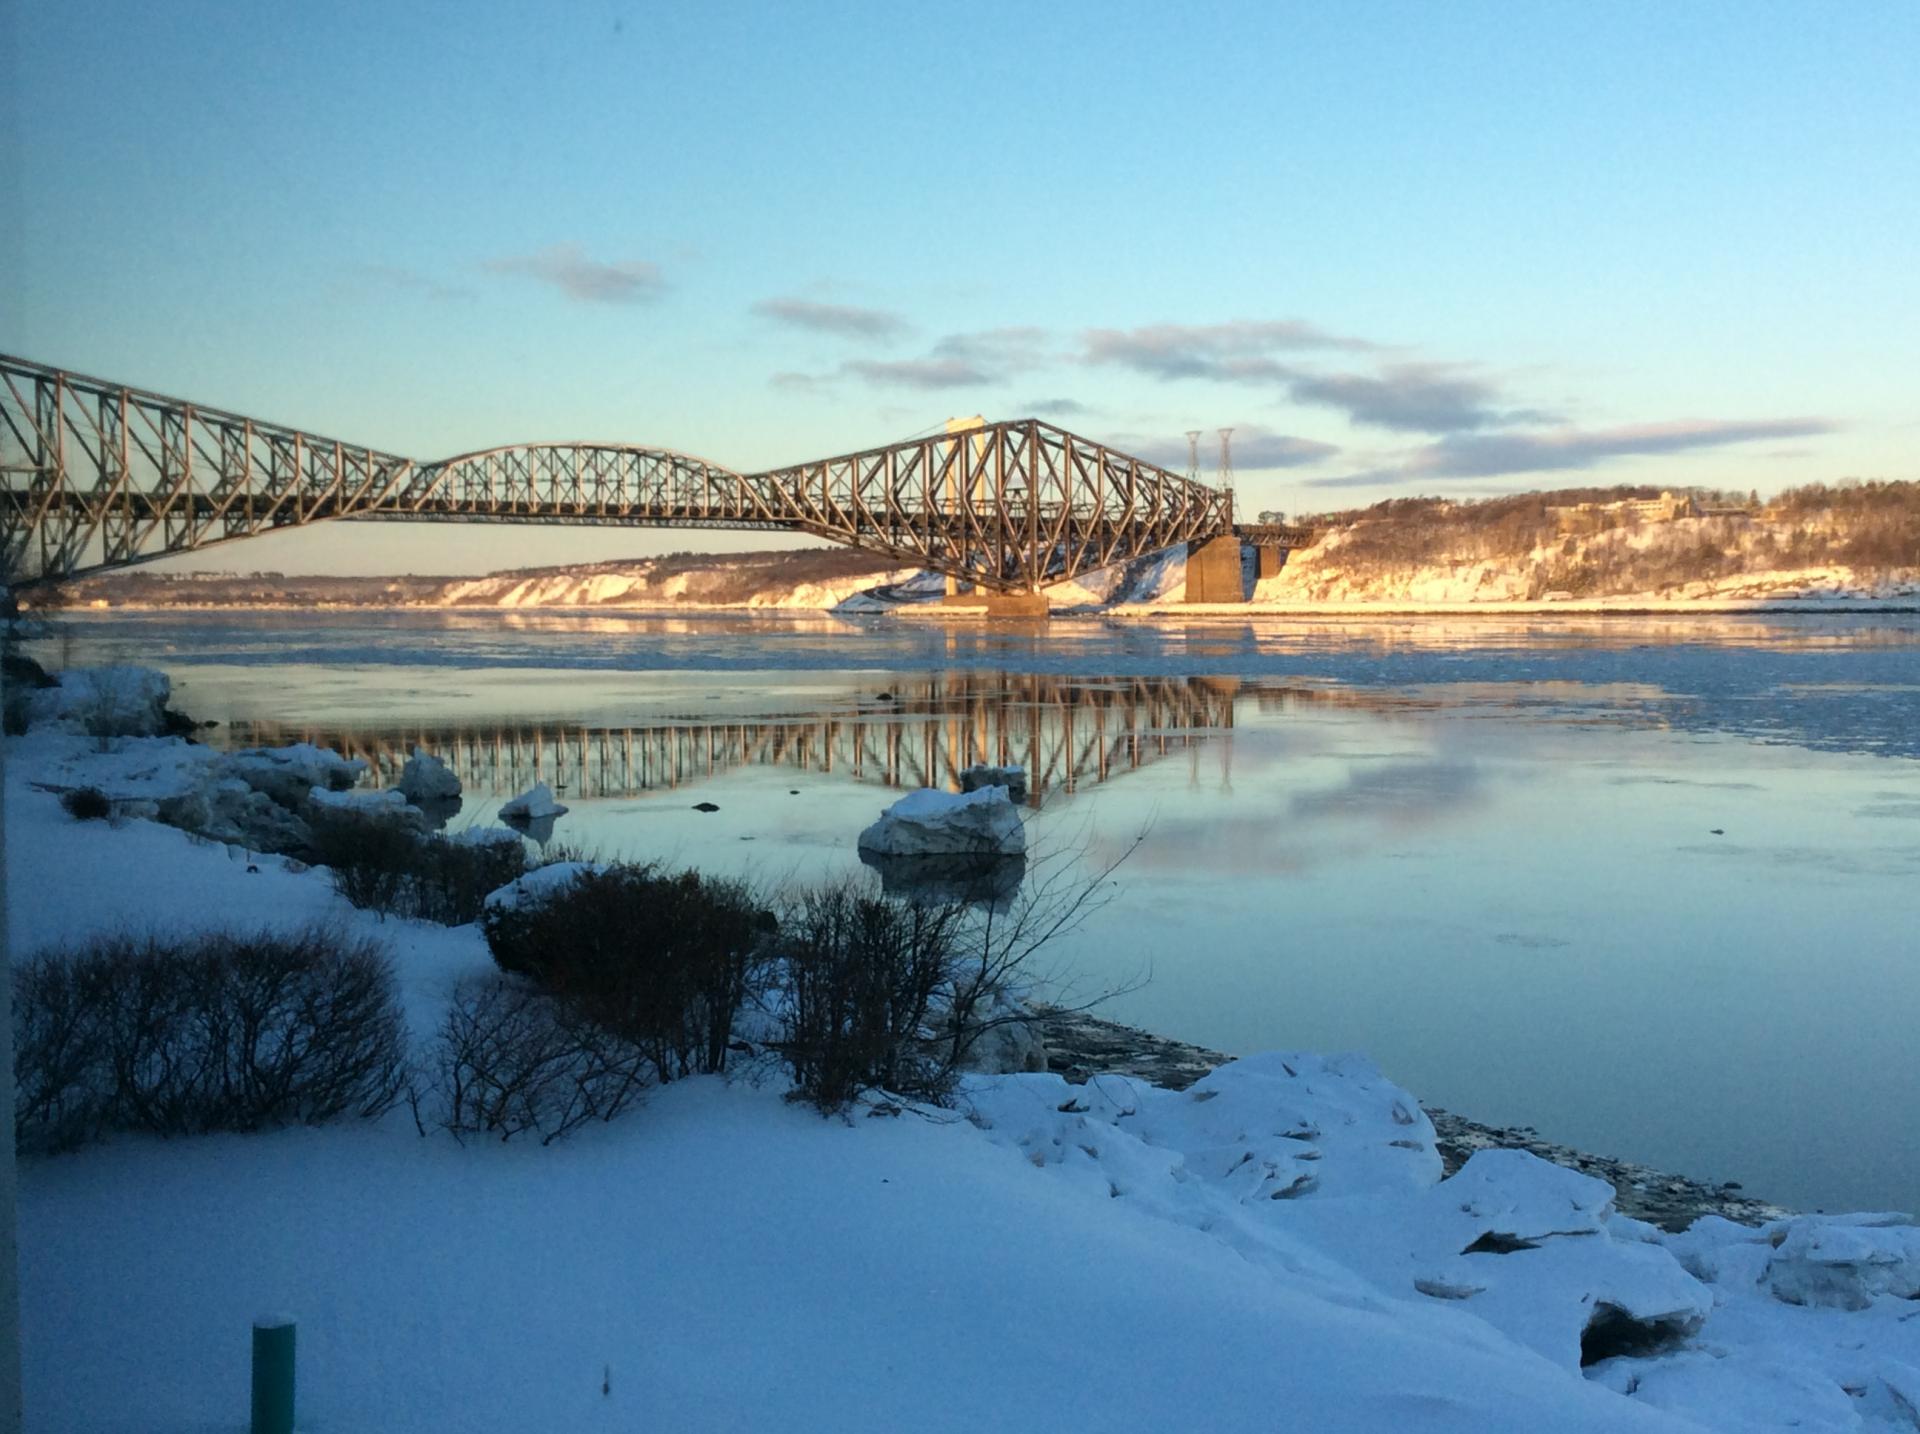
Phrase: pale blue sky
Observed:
(1400, 247)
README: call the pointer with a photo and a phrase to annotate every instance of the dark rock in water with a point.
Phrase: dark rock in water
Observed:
(976, 878)
(705, 807)
(884, 697)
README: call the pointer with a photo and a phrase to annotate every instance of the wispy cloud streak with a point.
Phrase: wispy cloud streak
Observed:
(847, 320)
(567, 268)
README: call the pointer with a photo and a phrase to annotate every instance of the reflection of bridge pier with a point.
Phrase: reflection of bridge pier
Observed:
(1066, 732)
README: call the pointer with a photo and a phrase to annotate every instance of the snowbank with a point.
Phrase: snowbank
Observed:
(935, 823)
(118, 701)
(538, 886)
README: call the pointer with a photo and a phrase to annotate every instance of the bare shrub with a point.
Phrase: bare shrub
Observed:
(222, 1031)
(887, 993)
(862, 971)
(86, 804)
(512, 1061)
(380, 865)
(62, 1098)
(665, 960)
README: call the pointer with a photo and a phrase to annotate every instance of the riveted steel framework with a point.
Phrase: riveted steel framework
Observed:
(96, 475)
(1065, 733)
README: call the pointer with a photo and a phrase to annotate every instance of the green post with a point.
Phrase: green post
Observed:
(273, 1374)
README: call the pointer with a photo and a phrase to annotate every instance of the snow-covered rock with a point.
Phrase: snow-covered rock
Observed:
(532, 806)
(426, 779)
(389, 807)
(228, 810)
(930, 823)
(485, 836)
(116, 701)
(1845, 1262)
(538, 886)
(288, 774)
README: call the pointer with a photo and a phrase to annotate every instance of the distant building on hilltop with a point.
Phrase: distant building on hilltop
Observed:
(1664, 509)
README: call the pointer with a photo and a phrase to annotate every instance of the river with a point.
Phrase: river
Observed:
(1650, 885)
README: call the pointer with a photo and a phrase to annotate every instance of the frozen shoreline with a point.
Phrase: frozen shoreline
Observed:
(721, 1252)
(1081, 1046)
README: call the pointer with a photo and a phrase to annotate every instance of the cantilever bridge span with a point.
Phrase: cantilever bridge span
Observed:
(96, 475)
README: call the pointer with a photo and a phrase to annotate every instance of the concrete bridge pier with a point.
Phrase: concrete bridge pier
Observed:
(1214, 571)
(1273, 557)
(988, 603)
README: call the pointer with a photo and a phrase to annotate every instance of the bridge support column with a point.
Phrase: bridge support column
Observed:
(1214, 571)
(1273, 557)
(984, 602)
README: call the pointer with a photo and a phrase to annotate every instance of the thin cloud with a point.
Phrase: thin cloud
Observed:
(1411, 398)
(1492, 455)
(847, 320)
(927, 373)
(796, 382)
(1255, 450)
(1240, 350)
(567, 268)
(1055, 408)
(966, 360)
(1003, 350)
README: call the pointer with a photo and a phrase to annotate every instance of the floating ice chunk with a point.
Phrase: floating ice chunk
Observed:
(532, 806)
(425, 778)
(930, 822)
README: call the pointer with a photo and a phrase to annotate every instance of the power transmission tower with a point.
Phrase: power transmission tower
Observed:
(1193, 454)
(1226, 466)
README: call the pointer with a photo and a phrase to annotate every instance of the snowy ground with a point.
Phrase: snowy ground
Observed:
(1272, 1248)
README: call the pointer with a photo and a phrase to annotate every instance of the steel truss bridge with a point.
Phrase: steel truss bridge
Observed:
(95, 475)
(1067, 733)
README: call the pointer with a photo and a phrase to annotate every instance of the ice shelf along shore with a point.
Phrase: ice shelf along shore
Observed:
(1278, 1244)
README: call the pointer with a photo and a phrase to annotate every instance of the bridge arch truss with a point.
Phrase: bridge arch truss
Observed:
(96, 475)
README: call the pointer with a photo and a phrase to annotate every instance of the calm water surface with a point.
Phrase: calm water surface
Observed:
(1651, 886)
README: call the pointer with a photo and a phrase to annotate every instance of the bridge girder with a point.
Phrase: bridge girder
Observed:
(96, 475)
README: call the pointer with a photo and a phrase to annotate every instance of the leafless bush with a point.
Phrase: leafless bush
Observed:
(662, 959)
(512, 1061)
(380, 865)
(223, 1031)
(62, 1099)
(862, 971)
(886, 993)
(86, 804)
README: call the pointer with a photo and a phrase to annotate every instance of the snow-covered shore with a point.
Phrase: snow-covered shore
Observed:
(1274, 1246)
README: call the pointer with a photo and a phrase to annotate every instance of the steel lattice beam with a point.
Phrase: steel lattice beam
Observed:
(96, 475)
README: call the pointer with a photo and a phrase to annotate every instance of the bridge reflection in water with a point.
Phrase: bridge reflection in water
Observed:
(1066, 733)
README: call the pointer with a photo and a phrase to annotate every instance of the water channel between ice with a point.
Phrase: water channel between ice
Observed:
(1649, 885)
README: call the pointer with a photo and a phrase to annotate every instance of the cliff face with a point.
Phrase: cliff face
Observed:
(1862, 539)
